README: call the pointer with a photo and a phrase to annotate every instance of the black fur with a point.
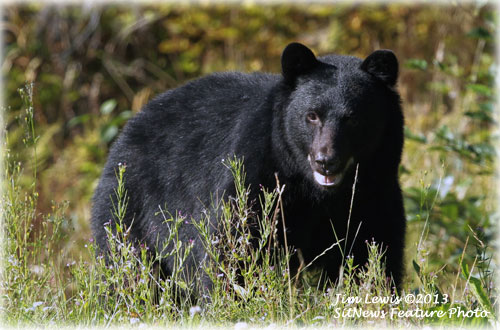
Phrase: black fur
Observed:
(324, 115)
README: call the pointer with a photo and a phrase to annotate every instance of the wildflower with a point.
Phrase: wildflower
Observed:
(35, 305)
(194, 310)
(12, 260)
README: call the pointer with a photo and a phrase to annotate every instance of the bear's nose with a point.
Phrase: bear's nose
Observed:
(324, 161)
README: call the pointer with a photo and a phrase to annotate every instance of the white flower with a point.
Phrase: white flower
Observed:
(194, 310)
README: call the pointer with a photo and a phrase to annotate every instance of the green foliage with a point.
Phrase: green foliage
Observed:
(33, 266)
(92, 70)
(460, 194)
(415, 63)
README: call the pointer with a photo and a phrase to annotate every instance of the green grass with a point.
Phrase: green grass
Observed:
(45, 281)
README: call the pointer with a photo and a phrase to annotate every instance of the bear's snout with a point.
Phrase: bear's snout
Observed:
(324, 163)
(328, 170)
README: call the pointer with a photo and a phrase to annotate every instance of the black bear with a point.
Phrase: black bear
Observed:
(321, 125)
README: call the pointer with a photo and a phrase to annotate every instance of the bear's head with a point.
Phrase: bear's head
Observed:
(337, 110)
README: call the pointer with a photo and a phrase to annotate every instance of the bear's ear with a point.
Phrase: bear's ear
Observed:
(383, 64)
(297, 59)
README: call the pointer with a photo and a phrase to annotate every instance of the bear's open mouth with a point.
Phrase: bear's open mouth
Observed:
(327, 180)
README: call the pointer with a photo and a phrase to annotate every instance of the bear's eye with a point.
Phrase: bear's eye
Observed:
(312, 117)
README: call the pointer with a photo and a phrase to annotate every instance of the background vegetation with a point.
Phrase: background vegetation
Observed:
(94, 67)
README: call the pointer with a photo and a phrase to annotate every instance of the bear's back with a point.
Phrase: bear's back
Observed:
(174, 147)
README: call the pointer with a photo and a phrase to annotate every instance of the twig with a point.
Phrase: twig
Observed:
(350, 206)
(280, 192)
(318, 256)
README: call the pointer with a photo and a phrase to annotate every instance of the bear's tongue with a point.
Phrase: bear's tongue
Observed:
(324, 180)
